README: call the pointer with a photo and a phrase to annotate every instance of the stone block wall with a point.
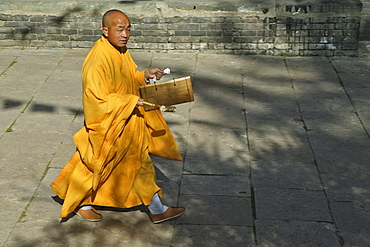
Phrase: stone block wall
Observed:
(324, 28)
(365, 21)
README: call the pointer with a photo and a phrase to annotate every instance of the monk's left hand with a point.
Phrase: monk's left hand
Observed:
(154, 73)
(139, 102)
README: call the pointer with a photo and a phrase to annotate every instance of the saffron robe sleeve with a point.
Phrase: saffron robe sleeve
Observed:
(116, 138)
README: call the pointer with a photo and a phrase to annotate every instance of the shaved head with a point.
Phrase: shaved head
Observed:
(116, 27)
(110, 15)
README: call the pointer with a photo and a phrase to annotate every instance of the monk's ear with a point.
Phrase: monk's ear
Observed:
(105, 31)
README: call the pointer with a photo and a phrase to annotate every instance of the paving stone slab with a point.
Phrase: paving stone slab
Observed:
(354, 80)
(342, 187)
(132, 228)
(328, 120)
(351, 217)
(355, 239)
(351, 65)
(209, 138)
(15, 196)
(167, 169)
(4, 234)
(340, 139)
(258, 96)
(196, 235)
(67, 146)
(283, 129)
(61, 89)
(278, 233)
(291, 204)
(51, 234)
(288, 133)
(258, 65)
(63, 85)
(10, 219)
(311, 69)
(332, 104)
(219, 100)
(45, 60)
(16, 191)
(339, 158)
(271, 111)
(256, 76)
(312, 75)
(269, 94)
(225, 67)
(216, 162)
(310, 88)
(143, 59)
(203, 84)
(215, 185)
(27, 166)
(9, 104)
(42, 121)
(269, 66)
(364, 115)
(63, 155)
(277, 153)
(270, 130)
(8, 56)
(284, 152)
(16, 93)
(75, 126)
(225, 72)
(270, 137)
(180, 65)
(223, 118)
(178, 122)
(216, 210)
(15, 142)
(7, 119)
(359, 95)
(68, 106)
(287, 176)
(276, 114)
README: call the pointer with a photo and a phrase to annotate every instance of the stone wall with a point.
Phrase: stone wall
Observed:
(325, 28)
(365, 21)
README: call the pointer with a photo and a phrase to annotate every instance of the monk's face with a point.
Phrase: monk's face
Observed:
(118, 30)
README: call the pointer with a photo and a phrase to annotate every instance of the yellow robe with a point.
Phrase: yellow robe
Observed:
(112, 166)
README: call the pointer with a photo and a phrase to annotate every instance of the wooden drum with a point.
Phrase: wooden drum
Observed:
(167, 93)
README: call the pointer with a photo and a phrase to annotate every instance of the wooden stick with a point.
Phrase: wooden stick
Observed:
(162, 107)
(150, 104)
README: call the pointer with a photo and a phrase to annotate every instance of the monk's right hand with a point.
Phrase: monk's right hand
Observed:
(152, 73)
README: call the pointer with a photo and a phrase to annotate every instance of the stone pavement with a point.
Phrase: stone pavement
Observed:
(276, 152)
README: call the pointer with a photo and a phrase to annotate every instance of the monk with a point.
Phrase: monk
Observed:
(112, 166)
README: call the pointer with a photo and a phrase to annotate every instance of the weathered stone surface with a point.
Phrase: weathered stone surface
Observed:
(275, 150)
(216, 185)
(291, 204)
(287, 176)
(295, 233)
(194, 235)
(217, 162)
(355, 222)
(230, 210)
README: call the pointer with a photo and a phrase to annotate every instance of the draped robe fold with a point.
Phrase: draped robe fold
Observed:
(112, 166)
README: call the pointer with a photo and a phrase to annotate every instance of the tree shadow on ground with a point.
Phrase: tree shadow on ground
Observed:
(291, 128)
